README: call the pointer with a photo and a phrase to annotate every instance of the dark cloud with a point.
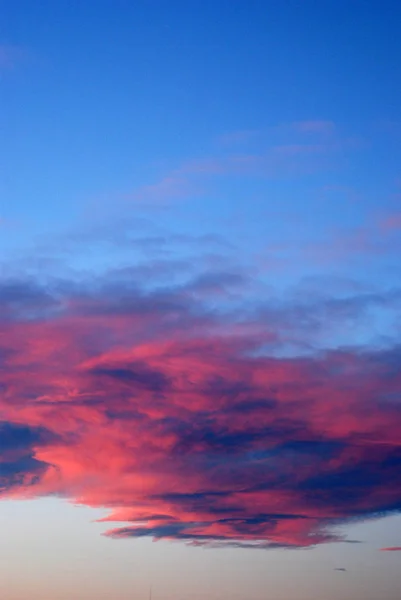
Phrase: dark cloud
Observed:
(136, 375)
(15, 437)
(18, 466)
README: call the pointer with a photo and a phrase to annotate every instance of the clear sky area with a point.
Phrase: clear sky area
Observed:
(200, 299)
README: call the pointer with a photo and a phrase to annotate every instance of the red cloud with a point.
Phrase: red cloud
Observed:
(392, 549)
(149, 405)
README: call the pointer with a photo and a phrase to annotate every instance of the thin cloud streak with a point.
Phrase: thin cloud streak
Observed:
(296, 150)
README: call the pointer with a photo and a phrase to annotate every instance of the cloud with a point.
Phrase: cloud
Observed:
(298, 149)
(180, 415)
(18, 467)
(321, 127)
(238, 137)
(170, 188)
(376, 237)
(391, 549)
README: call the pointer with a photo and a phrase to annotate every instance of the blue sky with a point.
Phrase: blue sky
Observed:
(187, 186)
(104, 101)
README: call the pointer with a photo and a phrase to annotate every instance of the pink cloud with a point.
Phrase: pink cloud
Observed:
(150, 405)
(391, 549)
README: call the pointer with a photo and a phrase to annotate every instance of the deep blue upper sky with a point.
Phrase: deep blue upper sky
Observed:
(101, 101)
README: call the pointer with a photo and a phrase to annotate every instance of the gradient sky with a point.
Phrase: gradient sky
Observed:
(200, 299)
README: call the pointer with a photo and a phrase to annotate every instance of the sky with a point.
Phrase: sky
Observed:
(200, 299)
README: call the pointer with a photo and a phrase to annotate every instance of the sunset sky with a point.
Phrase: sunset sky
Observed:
(200, 299)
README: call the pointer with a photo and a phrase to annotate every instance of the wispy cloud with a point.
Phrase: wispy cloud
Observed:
(239, 137)
(296, 150)
(171, 188)
(377, 235)
(320, 127)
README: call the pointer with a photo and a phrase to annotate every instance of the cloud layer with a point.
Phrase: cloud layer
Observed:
(186, 421)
